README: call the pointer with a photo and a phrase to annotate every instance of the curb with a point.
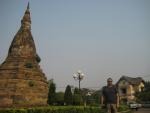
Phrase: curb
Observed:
(124, 111)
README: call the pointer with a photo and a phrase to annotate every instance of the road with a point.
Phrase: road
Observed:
(142, 110)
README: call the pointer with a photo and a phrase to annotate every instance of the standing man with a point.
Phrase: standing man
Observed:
(110, 97)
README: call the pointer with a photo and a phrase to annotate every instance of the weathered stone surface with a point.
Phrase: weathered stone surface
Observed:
(22, 82)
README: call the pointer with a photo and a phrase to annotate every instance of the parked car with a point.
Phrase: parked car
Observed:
(134, 105)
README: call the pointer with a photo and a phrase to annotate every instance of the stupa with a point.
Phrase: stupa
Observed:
(22, 82)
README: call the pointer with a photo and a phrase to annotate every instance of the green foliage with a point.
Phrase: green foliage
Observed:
(76, 91)
(60, 109)
(68, 98)
(96, 97)
(123, 108)
(147, 86)
(50, 82)
(38, 59)
(52, 94)
(144, 95)
(77, 99)
(60, 98)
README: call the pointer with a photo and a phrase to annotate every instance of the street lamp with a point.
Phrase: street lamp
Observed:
(78, 76)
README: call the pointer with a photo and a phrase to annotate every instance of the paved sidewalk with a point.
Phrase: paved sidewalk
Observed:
(142, 110)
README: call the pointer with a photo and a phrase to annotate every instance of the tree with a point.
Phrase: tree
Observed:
(77, 99)
(147, 86)
(52, 94)
(76, 91)
(60, 98)
(96, 96)
(68, 96)
(144, 95)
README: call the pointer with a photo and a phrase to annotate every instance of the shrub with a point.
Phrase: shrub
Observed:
(52, 94)
(58, 109)
(77, 99)
(68, 98)
(60, 98)
(123, 108)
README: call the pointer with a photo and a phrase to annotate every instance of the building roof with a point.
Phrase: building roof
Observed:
(131, 80)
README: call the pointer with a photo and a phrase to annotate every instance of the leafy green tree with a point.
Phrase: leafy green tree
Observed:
(76, 91)
(60, 98)
(51, 94)
(147, 86)
(96, 96)
(144, 95)
(77, 99)
(68, 98)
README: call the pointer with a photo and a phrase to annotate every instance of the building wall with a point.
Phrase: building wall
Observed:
(130, 90)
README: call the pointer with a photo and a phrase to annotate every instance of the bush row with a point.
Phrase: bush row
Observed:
(123, 108)
(58, 109)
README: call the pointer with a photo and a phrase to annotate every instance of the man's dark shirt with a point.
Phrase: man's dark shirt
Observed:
(110, 94)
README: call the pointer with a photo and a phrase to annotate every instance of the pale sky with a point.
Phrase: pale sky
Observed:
(103, 38)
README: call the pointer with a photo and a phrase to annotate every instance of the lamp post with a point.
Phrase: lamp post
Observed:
(78, 76)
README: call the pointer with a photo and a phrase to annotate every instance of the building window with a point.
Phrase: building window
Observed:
(124, 90)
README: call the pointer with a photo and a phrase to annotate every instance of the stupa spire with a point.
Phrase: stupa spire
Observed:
(23, 44)
(28, 6)
(26, 20)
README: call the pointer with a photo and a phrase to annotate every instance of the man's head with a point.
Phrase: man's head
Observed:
(109, 81)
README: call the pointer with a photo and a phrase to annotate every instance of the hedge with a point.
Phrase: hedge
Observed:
(123, 108)
(56, 109)
(61, 109)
